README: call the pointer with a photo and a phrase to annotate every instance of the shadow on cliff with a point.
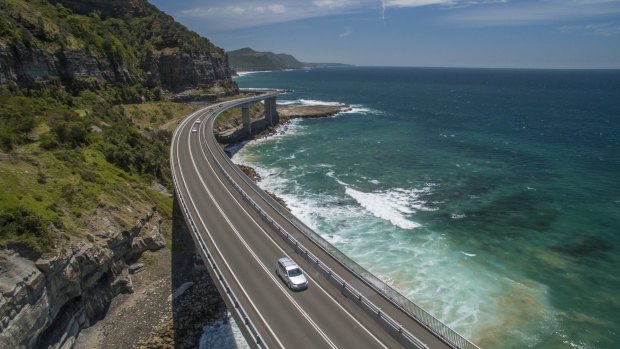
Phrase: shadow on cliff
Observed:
(199, 303)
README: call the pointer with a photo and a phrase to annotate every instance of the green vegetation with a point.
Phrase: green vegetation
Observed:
(23, 226)
(64, 156)
(73, 148)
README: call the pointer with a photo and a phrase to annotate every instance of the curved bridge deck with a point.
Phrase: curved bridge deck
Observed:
(240, 234)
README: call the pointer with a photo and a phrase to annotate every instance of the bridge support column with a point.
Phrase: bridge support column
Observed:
(271, 114)
(245, 114)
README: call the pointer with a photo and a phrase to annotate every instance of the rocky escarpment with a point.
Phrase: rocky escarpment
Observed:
(173, 70)
(45, 302)
(177, 70)
(27, 65)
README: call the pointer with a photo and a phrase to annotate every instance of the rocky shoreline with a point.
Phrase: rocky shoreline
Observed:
(286, 114)
(229, 130)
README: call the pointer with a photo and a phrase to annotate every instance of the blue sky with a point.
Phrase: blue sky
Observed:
(431, 33)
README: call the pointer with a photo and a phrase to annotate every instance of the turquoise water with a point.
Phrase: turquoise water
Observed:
(489, 197)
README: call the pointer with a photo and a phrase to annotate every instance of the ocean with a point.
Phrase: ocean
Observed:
(490, 197)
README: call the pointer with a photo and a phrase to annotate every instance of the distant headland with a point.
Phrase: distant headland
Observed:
(246, 59)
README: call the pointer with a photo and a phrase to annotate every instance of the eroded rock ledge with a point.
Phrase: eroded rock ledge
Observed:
(289, 112)
(45, 302)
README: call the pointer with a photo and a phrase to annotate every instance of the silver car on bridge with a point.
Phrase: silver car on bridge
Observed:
(291, 273)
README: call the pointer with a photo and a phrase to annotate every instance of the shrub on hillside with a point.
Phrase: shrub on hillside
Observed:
(69, 128)
(21, 226)
(132, 151)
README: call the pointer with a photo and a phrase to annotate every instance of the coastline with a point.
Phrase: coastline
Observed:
(229, 130)
(286, 114)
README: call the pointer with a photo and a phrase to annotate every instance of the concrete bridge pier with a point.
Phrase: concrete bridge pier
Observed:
(245, 114)
(271, 114)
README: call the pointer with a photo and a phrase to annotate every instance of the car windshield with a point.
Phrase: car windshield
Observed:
(294, 272)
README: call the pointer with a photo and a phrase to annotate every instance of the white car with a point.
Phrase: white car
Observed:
(291, 273)
(194, 129)
(197, 121)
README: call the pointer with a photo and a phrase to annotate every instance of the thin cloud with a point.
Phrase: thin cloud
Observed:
(221, 15)
(534, 13)
(224, 15)
(600, 29)
(228, 15)
(415, 3)
(332, 3)
(348, 31)
(445, 3)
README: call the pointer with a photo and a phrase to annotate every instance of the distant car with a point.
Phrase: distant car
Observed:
(291, 273)
(194, 129)
(197, 121)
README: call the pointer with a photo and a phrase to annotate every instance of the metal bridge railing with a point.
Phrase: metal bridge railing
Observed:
(206, 254)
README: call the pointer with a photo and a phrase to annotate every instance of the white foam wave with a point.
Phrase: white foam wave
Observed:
(286, 102)
(317, 102)
(389, 206)
(223, 333)
(359, 109)
(353, 109)
(468, 293)
(308, 102)
(293, 127)
(244, 73)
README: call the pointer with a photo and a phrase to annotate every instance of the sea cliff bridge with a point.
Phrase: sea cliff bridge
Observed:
(240, 232)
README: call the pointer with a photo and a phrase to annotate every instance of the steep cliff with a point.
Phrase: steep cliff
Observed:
(45, 302)
(84, 43)
(27, 65)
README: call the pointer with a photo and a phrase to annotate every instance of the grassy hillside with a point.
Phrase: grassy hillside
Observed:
(62, 158)
(71, 149)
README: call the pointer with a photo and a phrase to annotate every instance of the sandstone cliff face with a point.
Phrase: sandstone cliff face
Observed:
(177, 71)
(173, 71)
(45, 302)
(24, 66)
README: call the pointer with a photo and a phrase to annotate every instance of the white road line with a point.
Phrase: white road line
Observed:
(217, 248)
(265, 269)
(278, 246)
